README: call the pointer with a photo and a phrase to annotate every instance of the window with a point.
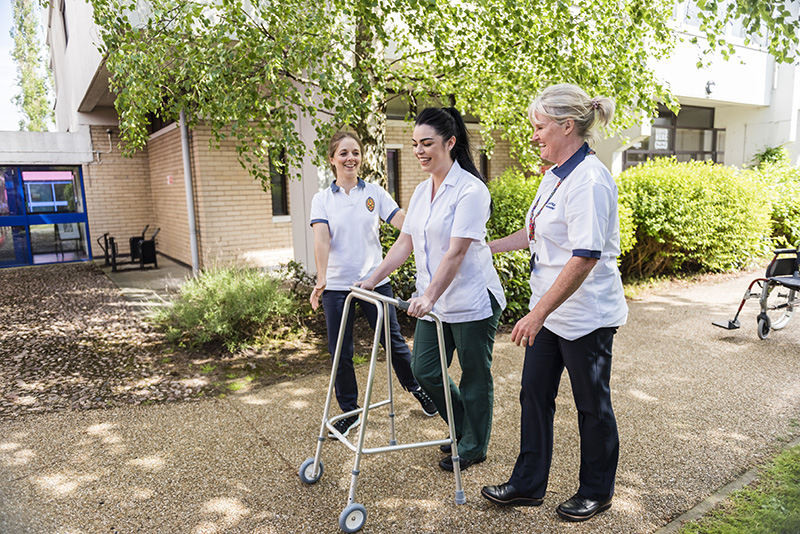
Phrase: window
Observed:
(393, 171)
(51, 192)
(484, 163)
(278, 183)
(690, 135)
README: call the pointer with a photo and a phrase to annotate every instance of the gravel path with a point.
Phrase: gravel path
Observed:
(69, 340)
(696, 405)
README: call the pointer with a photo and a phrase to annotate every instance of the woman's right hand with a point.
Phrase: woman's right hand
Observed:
(367, 284)
(316, 293)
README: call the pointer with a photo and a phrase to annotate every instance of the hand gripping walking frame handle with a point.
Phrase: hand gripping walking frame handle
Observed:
(311, 470)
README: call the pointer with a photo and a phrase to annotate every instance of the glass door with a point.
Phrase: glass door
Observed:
(42, 216)
(14, 248)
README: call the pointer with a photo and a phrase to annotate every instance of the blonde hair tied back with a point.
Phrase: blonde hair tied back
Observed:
(566, 101)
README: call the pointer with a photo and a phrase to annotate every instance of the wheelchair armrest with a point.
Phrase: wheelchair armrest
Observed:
(787, 251)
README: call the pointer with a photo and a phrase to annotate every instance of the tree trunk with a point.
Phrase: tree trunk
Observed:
(371, 126)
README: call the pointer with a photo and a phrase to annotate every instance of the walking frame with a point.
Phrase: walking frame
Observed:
(354, 514)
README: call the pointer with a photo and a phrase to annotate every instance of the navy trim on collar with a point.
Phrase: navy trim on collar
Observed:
(335, 188)
(562, 171)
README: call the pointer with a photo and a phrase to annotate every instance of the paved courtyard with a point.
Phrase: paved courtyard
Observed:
(697, 406)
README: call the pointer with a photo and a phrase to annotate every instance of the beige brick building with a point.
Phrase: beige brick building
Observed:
(225, 215)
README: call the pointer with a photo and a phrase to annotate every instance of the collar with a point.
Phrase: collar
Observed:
(562, 171)
(335, 188)
(452, 174)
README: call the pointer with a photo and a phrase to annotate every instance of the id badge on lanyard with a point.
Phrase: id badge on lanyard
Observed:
(535, 214)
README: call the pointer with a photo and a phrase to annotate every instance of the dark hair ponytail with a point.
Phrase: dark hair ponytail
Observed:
(448, 123)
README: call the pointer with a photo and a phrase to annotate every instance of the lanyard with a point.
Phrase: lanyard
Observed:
(532, 224)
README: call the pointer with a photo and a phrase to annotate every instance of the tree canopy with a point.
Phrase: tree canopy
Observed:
(249, 68)
(32, 73)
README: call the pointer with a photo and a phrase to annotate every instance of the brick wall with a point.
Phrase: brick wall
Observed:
(169, 199)
(234, 213)
(117, 192)
(399, 133)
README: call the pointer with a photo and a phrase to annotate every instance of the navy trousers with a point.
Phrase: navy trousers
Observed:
(588, 362)
(345, 385)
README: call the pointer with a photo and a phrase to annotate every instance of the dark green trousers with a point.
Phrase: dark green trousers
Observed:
(473, 398)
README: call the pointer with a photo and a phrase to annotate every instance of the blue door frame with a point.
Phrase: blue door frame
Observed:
(26, 220)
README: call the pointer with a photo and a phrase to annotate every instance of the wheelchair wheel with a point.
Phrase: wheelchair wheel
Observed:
(780, 304)
(763, 326)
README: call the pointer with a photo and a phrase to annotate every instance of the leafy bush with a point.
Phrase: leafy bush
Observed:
(299, 283)
(512, 195)
(694, 216)
(773, 155)
(231, 305)
(781, 182)
(404, 279)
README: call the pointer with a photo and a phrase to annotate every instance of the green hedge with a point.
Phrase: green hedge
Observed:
(781, 186)
(693, 216)
(404, 279)
(674, 217)
(512, 195)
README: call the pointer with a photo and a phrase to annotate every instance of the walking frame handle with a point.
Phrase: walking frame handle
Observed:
(400, 303)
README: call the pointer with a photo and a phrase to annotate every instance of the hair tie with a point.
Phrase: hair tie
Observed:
(595, 103)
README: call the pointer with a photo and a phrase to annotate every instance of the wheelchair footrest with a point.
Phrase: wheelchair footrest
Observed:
(727, 325)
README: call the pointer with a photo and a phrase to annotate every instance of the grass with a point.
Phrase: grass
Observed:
(770, 506)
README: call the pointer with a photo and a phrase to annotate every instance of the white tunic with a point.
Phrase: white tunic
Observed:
(353, 221)
(580, 219)
(460, 209)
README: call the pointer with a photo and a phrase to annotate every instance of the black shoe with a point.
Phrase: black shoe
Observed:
(344, 425)
(428, 407)
(448, 448)
(446, 463)
(508, 495)
(580, 508)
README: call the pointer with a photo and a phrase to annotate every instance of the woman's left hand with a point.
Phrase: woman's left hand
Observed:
(526, 329)
(316, 293)
(419, 306)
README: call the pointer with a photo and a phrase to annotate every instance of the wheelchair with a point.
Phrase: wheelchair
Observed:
(777, 293)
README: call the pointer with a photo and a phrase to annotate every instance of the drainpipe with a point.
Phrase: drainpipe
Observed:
(187, 180)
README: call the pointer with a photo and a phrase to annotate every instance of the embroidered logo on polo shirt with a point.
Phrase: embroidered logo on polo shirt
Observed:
(370, 203)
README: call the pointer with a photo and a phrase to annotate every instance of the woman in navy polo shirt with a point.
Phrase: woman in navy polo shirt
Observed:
(346, 219)
(446, 230)
(577, 303)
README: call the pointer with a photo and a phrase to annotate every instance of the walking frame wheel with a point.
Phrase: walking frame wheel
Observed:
(352, 517)
(307, 471)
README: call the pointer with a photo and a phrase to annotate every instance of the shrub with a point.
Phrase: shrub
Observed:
(694, 216)
(781, 183)
(512, 195)
(299, 283)
(404, 279)
(231, 305)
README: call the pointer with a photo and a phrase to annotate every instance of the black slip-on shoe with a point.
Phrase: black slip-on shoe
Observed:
(446, 463)
(579, 508)
(508, 495)
(448, 448)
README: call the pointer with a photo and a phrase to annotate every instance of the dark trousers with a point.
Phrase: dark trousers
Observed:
(588, 362)
(473, 398)
(346, 386)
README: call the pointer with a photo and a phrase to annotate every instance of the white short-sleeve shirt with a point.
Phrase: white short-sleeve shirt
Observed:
(353, 221)
(460, 209)
(580, 219)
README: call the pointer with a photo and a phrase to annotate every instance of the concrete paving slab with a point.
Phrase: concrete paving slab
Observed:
(697, 406)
